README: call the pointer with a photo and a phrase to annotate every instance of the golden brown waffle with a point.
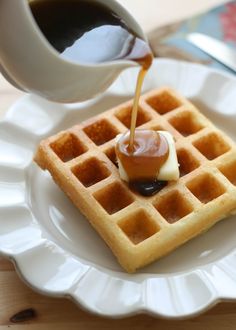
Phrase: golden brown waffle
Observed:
(141, 229)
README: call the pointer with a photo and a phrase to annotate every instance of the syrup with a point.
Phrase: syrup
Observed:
(88, 32)
(148, 188)
(150, 151)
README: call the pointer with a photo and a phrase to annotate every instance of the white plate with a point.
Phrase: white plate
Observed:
(57, 252)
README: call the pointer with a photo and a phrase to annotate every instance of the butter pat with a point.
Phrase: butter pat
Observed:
(169, 170)
(123, 174)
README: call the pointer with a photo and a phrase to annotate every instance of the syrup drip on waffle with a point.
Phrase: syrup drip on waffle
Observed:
(142, 152)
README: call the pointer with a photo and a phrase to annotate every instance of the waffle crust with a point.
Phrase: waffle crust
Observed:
(141, 229)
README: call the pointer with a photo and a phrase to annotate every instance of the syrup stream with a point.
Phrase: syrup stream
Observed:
(134, 114)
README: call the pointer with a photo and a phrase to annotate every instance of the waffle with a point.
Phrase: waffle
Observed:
(142, 229)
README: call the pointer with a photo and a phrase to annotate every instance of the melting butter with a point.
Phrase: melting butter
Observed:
(168, 171)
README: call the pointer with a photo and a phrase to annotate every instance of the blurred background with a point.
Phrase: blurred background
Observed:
(168, 23)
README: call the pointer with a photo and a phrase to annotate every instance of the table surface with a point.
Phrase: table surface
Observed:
(22, 308)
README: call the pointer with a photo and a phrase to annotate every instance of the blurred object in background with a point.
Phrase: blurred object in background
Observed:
(170, 40)
(215, 48)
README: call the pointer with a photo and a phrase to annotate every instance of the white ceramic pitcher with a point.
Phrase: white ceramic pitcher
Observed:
(30, 63)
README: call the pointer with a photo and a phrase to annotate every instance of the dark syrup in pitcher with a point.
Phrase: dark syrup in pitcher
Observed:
(88, 32)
